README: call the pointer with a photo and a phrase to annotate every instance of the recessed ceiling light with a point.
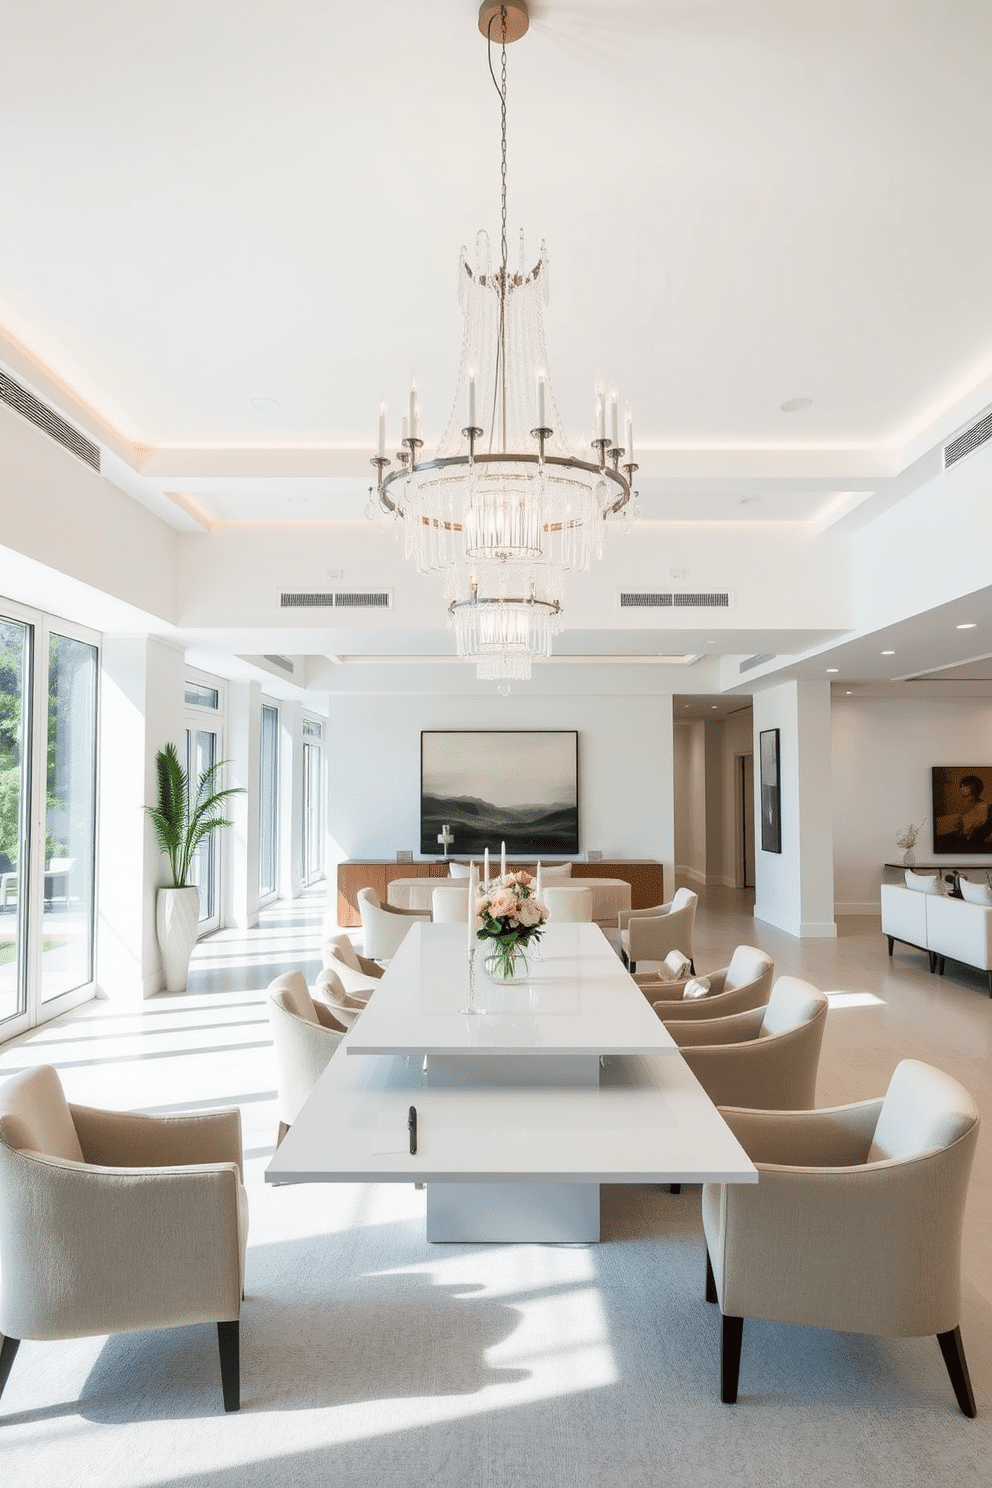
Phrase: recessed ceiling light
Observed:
(264, 405)
(966, 625)
(795, 405)
(833, 669)
(888, 653)
(711, 643)
(297, 500)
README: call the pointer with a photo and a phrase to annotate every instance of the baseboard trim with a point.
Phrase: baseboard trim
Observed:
(804, 930)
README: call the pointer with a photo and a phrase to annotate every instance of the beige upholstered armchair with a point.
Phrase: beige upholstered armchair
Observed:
(306, 1034)
(357, 974)
(855, 1223)
(384, 927)
(449, 904)
(651, 934)
(765, 1059)
(115, 1222)
(571, 905)
(746, 983)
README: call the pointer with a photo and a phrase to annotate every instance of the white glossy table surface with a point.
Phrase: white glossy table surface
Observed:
(649, 1121)
(578, 1000)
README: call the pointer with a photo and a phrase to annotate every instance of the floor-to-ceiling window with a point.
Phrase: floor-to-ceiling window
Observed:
(268, 802)
(48, 739)
(313, 835)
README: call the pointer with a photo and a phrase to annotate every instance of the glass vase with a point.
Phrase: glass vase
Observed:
(507, 965)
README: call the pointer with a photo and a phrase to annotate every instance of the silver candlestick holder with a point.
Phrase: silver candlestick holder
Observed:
(473, 1010)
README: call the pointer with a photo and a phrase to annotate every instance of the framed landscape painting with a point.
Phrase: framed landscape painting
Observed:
(962, 809)
(520, 787)
(771, 792)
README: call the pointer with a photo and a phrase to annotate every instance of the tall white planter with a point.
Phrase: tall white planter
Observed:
(177, 917)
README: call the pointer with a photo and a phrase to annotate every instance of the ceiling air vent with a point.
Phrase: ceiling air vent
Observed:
(969, 441)
(754, 661)
(330, 599)
(30, 407)
(679, 599)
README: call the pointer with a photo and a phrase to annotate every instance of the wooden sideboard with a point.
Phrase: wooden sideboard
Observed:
(645, 876)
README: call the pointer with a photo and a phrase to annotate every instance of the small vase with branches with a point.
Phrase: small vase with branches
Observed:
(906, 839)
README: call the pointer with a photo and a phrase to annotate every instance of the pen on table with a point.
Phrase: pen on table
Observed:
(412, 1124)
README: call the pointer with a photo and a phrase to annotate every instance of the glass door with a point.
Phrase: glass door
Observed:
(268, 803)
(313, 837)
(16, 642)
(68, 898)
(202, 752)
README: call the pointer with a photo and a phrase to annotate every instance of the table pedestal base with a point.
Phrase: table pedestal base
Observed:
(498, 1213)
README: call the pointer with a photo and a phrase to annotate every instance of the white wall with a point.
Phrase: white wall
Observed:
(883, 748)
(737, 740)
(625, 768)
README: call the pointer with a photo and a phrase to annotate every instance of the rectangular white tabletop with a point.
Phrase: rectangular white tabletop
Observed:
(649, 1121)
(578, 1000)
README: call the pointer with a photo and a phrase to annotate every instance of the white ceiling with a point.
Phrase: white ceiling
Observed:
(743, 204)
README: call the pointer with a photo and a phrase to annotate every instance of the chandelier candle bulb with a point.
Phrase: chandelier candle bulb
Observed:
(614, 432)
(630, 439)
(382, 431)
(600, 415)
(406, 430)
(540, 402)
(471, 400)
(413, 409)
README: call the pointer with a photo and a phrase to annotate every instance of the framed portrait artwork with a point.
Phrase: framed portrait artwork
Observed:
(520, 787)
(771, 791)
(962, 809)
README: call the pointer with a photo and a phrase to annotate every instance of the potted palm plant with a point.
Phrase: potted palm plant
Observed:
(182, 820)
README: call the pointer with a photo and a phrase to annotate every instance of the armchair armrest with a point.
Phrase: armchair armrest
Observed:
(626, 915)
(831, 1137)
(369, 968)
(737, 1028)
(129, 1139)
(410, 914)
(144, 1247)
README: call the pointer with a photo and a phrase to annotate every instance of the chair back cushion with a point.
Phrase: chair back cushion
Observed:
(291, 992)
(341, 948)
(923, 1111)
(34, 1115)
(555, 873)
(682, 898)
(747, 964)
(448, 905)
(368, 896)
(459, 870)
(793, 1002)
(570, 904)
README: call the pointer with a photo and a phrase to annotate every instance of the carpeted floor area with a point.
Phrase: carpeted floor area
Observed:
(372, 1358)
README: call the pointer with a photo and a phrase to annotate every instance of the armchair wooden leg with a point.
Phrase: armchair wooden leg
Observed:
(891, 940)
(631, 966)
(710, 1279)
(229, 1340)
(731, 1337)
(957, 1368)
(8, 1349)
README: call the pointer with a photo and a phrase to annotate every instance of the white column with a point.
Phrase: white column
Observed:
(240, 843)
(141, 710)
(794, 889)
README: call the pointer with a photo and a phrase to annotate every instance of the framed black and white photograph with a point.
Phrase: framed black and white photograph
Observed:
(771, 791)
(962, 809)
(520, 787)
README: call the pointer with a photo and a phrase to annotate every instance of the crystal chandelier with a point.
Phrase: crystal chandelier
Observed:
(506, 507)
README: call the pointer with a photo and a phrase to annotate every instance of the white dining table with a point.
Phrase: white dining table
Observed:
(524, 1109)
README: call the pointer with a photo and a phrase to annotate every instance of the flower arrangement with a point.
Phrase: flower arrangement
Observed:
(509, 913)
(907, 837)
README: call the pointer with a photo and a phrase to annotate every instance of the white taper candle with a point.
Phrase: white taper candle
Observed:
(502, 860)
